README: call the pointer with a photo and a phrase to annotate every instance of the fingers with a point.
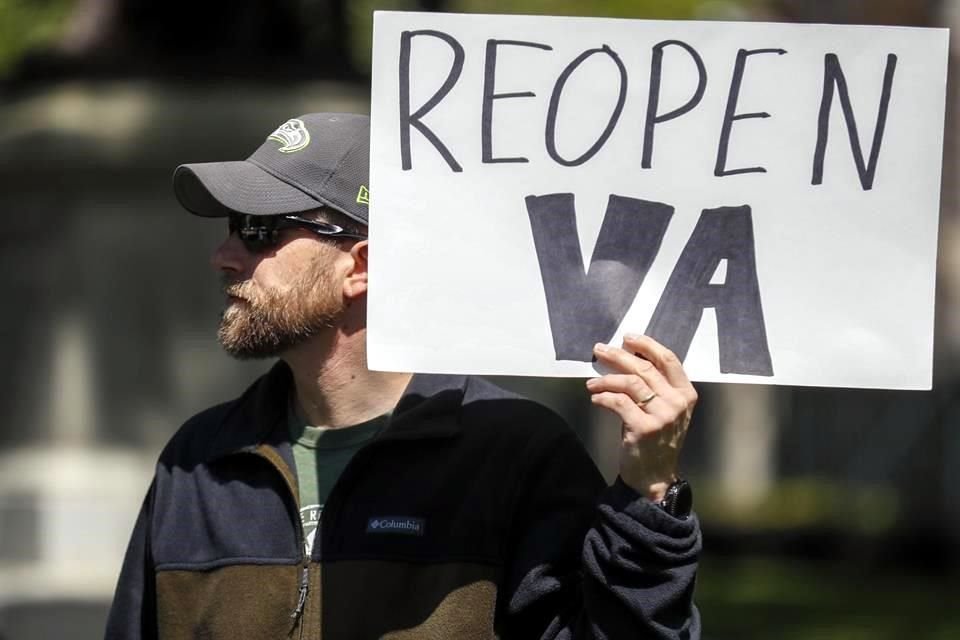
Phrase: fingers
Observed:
(632, 386)
(653, 426)
(629, 412)
(665, 404)
(662, 358)
(660, 368)
(627, 363)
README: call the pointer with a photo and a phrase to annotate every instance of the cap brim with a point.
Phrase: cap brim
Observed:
(217, 189)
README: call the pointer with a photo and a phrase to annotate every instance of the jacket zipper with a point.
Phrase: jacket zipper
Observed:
(304, 585)
(303, 591)
(301, 598)
(305, 575)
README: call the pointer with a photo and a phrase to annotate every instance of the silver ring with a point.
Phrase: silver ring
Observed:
(643, 401)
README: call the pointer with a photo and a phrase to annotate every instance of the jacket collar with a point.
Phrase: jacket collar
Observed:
(429, 408)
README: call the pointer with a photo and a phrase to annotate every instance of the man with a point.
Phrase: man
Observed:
(333, 501)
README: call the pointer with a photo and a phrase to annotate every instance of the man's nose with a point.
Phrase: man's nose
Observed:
(230, 256)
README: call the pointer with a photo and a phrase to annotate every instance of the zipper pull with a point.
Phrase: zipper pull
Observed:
(304, 585)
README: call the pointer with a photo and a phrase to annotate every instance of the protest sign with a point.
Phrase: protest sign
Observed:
(761, 198)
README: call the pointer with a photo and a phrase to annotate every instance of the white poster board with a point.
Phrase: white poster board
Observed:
(761, 198)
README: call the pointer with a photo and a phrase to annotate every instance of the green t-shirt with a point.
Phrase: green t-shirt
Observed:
(321, 454)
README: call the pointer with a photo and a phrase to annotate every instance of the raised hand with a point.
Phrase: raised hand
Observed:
(651, 393)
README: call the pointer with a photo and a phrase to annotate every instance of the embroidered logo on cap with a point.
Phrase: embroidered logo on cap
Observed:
(396, 524)
(292, 134)
(363, 197)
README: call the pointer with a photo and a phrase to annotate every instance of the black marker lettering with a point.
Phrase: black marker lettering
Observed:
(730, 115)
(586, 308)
(653, 100)
(551, 132)
(406, 118)
(833, 76)
(489, 95)
(724, 233)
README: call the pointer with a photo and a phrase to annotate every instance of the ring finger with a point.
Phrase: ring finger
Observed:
(632, 386)
(621, 360)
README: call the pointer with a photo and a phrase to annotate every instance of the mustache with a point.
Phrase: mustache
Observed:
(236, 288)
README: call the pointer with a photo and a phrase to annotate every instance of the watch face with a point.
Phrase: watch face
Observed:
(679, 500)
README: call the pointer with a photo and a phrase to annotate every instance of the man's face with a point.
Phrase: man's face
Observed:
(278, 299)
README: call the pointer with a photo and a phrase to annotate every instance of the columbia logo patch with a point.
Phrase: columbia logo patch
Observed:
(292, 134)
(396, 524)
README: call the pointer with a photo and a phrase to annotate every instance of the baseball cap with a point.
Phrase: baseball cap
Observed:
(314, 160)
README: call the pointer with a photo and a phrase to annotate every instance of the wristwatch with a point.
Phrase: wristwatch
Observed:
(678, 501)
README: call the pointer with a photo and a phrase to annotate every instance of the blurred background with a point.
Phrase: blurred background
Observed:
(828, 513)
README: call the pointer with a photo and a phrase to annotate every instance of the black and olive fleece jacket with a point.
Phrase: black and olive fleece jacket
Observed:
(475, 514)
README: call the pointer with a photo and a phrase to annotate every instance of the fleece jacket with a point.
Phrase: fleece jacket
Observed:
(475, 514)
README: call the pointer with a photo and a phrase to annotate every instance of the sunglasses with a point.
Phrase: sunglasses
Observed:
(261, 233)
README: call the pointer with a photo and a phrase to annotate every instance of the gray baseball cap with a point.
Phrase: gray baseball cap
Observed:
(314, 160)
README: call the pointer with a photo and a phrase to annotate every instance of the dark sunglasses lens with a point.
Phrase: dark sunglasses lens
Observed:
(256, 245)
(257, 234)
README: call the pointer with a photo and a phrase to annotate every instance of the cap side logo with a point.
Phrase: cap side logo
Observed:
(292, 134)
(363, 197)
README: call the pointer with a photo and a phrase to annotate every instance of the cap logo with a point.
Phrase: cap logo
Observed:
(292, 134)
(363, 197)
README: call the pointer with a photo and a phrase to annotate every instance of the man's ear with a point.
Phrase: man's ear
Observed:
(355, 281)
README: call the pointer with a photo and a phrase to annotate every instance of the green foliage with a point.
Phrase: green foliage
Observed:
(805, 503)
(762, 598)
(655, 9)
(361, 13)
(27, 25)
(360, 19)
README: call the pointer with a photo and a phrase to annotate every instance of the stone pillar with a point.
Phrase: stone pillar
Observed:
(745, 448)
